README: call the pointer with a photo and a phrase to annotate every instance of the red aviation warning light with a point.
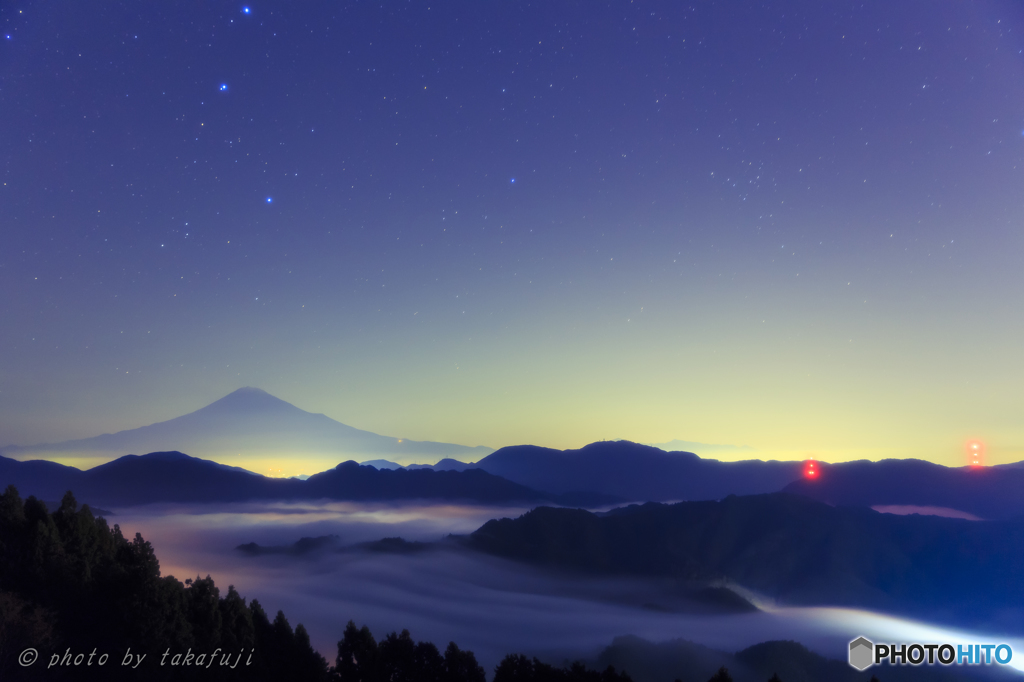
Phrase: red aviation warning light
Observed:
(975, 453)
(810, 469)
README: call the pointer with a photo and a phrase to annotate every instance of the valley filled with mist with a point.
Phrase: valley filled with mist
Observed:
(443, 591)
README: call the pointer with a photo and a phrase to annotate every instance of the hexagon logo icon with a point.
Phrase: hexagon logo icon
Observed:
(862, 653)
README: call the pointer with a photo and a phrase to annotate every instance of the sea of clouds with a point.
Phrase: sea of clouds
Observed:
(488, 605)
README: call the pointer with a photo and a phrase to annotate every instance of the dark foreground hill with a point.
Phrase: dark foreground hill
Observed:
(986, 492)
(176, 477)
(788, 548)
(635, 472)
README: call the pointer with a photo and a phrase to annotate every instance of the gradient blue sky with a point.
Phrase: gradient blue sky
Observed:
(791, 225)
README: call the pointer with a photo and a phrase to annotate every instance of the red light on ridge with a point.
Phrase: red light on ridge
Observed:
(975, 453)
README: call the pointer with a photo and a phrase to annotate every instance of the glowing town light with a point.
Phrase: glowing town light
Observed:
(810, 469)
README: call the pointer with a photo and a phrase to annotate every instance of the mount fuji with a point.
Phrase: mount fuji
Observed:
(250, 428)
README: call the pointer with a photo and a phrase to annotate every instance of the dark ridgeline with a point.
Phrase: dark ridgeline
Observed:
(987, 492)
(796, 550)
(641, 473)
(177, 477)
(637, 473)
(350, 481)
(599, 474)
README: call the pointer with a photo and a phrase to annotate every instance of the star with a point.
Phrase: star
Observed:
(246, 10)
(270, 200)
(223, 87)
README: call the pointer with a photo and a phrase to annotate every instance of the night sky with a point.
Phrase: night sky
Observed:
(790, 225)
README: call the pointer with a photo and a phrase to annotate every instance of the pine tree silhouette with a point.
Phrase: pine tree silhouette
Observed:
(721, 676)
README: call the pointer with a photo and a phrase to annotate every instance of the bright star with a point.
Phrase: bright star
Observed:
(513, 181)
(223, 87)
(270, 200)
(245, 10)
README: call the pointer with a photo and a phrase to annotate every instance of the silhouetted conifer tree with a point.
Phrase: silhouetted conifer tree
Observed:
(461, 666)
(721, 676)
(429, 663)
(237, 631)
(395, 657)
(357, 656)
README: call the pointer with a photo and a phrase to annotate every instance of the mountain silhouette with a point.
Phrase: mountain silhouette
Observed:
(647, 474)
(636, 472)
(789, 548)
(176, 477)
(247, 426)
(350, 481)
(986, 492)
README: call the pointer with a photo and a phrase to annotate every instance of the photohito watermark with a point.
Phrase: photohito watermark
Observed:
(864, 653)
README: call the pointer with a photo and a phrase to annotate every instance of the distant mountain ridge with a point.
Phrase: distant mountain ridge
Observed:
(987, 492)
(643, 473)
(175, 477)
(268, 435)
(627, 471)
(636, 472)
(245, 426)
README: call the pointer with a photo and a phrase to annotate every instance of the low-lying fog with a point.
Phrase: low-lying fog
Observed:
(488, 605)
